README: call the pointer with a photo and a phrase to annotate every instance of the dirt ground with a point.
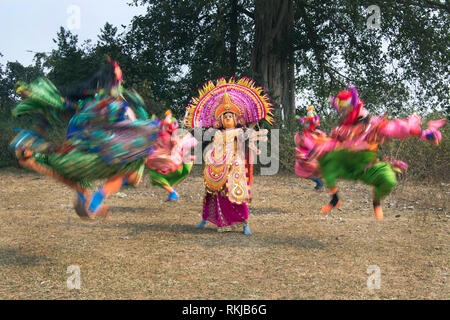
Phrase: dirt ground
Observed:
(149, 249)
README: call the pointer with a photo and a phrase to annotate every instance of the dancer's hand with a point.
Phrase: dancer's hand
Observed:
(432, 134)
(252, 124)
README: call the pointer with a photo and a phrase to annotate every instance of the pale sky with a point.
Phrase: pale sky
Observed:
(32, 24)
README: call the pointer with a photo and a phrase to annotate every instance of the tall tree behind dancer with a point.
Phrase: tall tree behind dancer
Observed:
(100, 141)
(228, 172)
(306, 166)
(351, 151)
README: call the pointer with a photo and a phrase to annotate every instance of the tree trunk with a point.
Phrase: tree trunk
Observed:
(273, 52)
(234, 36)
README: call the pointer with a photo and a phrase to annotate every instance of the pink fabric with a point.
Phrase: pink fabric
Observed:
(362, 136)
(222, 212)
(169, 154)
(396, 163)
(160, 159)
(304, 167)
(401, 128)
(306, 164)
(433, 127)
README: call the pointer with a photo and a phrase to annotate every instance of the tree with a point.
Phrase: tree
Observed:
(69, 64)
(402, 65)
(273, 51)
(109, 44)
(187, 43)
(14, 72)
(307, 48)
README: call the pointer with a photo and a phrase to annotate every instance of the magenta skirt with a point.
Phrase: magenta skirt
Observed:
(223, 213)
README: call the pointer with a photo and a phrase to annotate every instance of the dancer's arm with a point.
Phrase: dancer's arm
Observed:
(403, 128)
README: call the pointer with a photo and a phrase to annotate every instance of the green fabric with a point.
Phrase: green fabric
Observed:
(351, 165)
(382, 177)
(171, 179)
(137, 103)
(43, 99)
(84, 167)
(344, 164)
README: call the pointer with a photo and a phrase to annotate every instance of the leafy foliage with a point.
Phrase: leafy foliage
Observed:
(401, 66)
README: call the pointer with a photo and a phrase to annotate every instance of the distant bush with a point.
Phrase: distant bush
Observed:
(7, 158)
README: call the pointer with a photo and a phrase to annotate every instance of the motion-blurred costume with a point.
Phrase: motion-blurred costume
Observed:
(170, 162)
(100, 142)
(228, 173)
(306, 166)
(351, 150)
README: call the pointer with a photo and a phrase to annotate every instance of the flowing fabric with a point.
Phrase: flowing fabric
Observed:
(168, 155)
(98, 149)
(226, 215)
(351, 151)
(306, 165)
(170, 162)
(100, 141)
(173, 178)
(358, 165)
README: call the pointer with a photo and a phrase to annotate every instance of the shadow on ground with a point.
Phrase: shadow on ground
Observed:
(16, 257)
(227, 239)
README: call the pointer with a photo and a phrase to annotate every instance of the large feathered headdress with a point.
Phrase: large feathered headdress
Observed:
(242, 98)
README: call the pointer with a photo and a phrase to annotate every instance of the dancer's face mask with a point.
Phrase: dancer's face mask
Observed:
(229, 120)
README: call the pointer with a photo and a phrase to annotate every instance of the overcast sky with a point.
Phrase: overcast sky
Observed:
(32, 24)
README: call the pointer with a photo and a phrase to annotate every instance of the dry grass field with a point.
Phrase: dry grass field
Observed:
(149, 249)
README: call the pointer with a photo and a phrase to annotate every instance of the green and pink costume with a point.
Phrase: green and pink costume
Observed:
(351, 151)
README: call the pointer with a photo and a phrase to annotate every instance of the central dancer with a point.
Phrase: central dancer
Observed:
(228, 174)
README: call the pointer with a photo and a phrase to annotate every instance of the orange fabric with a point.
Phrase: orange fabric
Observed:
(373, 147)
(328, 207)
(134, 178)
(378, 212)
(250, 174)
(168, 188)
(249, 160)
(114, 184)
(30, 163)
